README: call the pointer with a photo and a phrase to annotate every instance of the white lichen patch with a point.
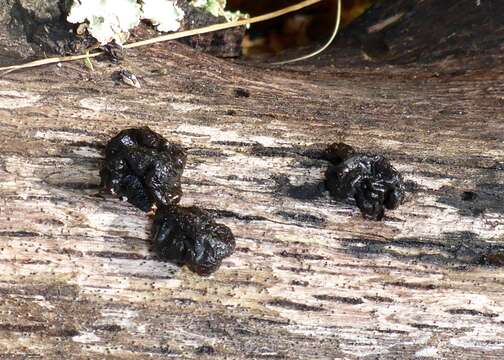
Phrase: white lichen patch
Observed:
(163, 14)
(214, 7)
(217, 8)
(113, 19)
(108, 19)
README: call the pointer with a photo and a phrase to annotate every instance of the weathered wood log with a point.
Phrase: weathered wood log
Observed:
(310, 278)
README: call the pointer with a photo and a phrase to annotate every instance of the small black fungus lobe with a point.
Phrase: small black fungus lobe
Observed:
(469, 196)
(189, 236)
(338, 152)
(143, 167)
(371, 181)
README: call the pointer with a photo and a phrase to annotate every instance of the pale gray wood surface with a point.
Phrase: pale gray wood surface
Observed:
(310, 278)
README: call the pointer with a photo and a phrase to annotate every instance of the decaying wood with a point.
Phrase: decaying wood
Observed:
(310, 278)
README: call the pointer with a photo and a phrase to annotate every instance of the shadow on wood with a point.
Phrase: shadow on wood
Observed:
(310, 277)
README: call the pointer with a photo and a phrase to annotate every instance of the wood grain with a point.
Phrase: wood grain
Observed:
(310, 278)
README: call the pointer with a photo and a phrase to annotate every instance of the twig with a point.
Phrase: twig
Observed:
(168, 37)
(325, 46)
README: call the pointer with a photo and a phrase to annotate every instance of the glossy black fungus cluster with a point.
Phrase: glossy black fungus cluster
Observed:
(143, 167)
(371, 180)
(190, 236)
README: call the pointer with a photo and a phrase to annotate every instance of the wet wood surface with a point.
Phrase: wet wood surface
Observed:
(310, 277)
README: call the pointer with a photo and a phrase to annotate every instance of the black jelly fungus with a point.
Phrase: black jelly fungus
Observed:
(144, 167)
(371, 181)
(469, 196)
(338, 152)
(189, 236)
